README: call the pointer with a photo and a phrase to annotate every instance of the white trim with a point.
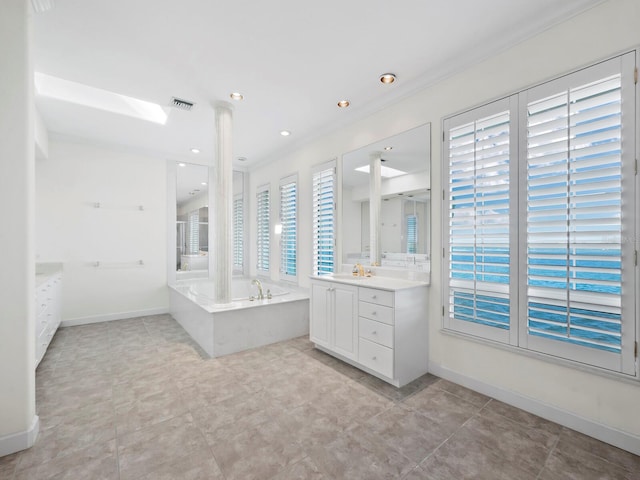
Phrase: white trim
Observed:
(610, 435)
(20, 441)
(107, 317)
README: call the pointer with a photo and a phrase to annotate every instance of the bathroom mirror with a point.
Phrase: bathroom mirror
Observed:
(192, 221)
(403, 229)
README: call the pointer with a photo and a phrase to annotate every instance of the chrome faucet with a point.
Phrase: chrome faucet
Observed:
(257, 283)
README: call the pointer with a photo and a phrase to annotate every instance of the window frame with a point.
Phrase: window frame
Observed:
(262, 189)
(510, 336)
(317, 170)
(627, 366)
(284, 182)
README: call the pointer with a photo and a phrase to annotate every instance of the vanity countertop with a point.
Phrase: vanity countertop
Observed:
(375, 281)
(46, 270)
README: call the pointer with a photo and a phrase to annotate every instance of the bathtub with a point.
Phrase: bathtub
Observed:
(244, 323)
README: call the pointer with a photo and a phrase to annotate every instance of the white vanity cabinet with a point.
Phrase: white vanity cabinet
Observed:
(389, 325)
(334, 317)
(48, 308)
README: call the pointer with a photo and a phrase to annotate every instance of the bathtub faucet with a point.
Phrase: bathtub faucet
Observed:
(257, 283)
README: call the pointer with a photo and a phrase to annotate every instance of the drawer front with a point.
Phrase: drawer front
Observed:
(371, 295)
(376, 332)
(379, 313)
(376, 357)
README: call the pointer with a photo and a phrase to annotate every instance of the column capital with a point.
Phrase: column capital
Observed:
(222, 105)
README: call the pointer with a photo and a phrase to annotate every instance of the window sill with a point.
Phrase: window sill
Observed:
(632, 380)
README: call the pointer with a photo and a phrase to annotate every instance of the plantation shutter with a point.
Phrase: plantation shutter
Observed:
(263, 206)
(323, 191)
(288, 219)
(193, 221)
(576, 254)
(479, 148)
(238, 233)
(412, 233)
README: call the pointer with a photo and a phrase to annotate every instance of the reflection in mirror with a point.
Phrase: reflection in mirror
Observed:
(404, 226)
(238, 223)
(192, 222)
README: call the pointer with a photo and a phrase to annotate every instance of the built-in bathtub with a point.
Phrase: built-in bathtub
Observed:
(243, 323)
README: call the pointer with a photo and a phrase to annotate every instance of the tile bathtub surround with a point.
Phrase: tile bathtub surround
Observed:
(137, 399)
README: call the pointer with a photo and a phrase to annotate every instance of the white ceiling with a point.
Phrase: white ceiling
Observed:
(292, 59)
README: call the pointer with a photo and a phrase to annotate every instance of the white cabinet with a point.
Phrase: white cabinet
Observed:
(48, 296)
(382, 331)
(334, 317)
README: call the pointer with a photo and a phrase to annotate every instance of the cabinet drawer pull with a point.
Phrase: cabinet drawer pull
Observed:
(374, 296)
(374, 333)
(373, 313)
(374, 358)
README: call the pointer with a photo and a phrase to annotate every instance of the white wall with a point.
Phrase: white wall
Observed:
(596, 34)
(18, 420)
(71, 230)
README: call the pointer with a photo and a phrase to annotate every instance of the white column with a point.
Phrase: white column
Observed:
(221, 205)
(18, 420)
(375, 180)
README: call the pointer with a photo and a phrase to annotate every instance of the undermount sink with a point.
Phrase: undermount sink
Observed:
(348, 276)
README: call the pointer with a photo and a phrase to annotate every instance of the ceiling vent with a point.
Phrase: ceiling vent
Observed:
(181, 104)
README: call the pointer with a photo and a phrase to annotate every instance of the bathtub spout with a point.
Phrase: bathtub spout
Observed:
(257, 283)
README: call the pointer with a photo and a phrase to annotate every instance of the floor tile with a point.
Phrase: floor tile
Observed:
(97, 462)
(478, 399)
(359, 454)
(463, 457)
(271, 448)
(305, 469)
(149, 410)
(197, 465)
(572, 463)
(137, 398)
(143, 451)
(628, 461)
(441, 406)
(412, 434)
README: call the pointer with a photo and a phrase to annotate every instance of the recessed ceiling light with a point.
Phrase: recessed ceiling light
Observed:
(204, 183)
(388, 148)
(387, 78)
(182, 164)
(236, 96)
(344, 103)
(285, 133)
(195, 150)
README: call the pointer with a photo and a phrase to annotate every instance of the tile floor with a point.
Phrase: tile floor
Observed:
(135, 399)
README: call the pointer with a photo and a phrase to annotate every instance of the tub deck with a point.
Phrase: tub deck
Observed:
(221, 330)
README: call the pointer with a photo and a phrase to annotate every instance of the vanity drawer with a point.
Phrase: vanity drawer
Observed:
(376, 332)
(379, 313)
(371, 295)
(376, 357)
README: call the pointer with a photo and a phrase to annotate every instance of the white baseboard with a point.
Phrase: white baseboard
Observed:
(613, 436)
(72, 322)
(20, 441)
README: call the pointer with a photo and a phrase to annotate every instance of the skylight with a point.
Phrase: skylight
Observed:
(78, 93)
(386, 172)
